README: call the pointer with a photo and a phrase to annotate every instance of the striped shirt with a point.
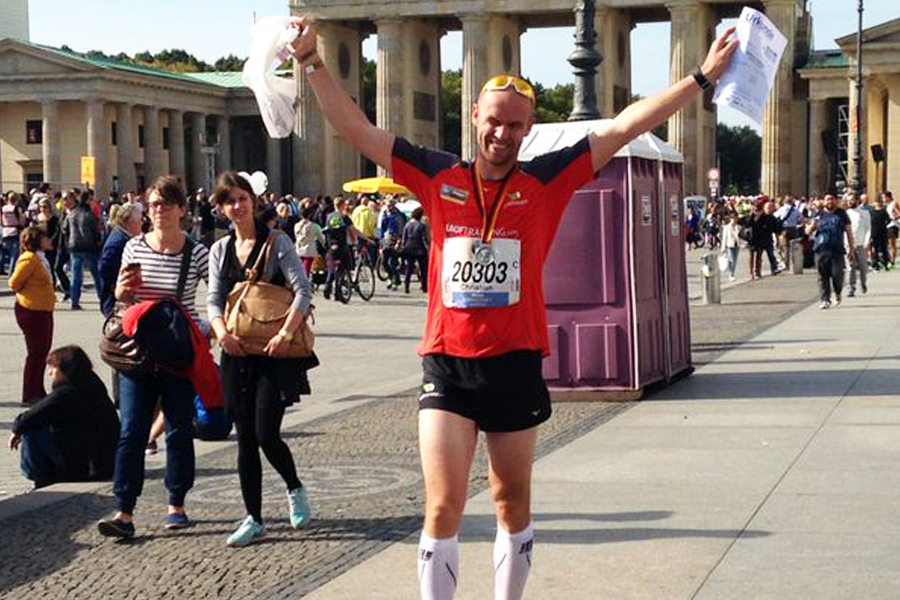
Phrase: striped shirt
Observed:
(160, 272)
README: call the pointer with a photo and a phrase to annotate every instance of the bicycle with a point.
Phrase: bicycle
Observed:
(363, 279)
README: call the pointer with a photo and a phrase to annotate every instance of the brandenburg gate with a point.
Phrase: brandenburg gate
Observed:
(409, 74)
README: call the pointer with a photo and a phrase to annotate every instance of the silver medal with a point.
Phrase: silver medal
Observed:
(484, 254)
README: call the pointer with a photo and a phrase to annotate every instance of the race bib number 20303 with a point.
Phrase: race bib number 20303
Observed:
(473, 279)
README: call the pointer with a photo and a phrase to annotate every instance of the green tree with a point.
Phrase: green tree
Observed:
(554, 105)
(229, 63)
(740, 158)
(367, 103)
(451, 111)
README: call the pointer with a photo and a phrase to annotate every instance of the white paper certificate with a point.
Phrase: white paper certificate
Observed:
(746, 82)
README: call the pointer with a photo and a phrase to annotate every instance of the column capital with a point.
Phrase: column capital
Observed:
(474, 18)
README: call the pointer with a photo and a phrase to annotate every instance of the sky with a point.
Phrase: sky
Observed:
(210, 29)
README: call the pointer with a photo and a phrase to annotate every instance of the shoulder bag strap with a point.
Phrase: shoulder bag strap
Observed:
(255, 273)
(187, 254)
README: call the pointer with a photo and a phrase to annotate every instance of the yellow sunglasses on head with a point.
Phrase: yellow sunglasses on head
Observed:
(503, 82)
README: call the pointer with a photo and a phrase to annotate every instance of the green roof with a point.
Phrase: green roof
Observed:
(827, 59)
(224, 79)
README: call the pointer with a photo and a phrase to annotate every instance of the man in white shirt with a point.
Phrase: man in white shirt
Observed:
(861, 225)
(791, 218)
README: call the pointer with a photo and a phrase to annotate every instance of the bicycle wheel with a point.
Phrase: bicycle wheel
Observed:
(381, 269)
(343, 287)
(364, 280)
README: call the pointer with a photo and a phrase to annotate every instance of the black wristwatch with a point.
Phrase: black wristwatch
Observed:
(698, 76)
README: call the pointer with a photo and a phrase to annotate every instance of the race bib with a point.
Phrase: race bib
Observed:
(477, 277)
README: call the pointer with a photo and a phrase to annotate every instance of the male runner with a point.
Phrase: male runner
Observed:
(492, 225)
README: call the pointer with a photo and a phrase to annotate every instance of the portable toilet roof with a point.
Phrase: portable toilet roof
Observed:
(547, 137)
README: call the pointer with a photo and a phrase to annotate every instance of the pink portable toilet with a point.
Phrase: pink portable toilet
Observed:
(609, 274)
(676, 307)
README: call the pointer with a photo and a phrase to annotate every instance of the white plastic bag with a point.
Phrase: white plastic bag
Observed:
(274, 95)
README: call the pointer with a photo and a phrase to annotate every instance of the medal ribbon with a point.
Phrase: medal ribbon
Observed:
(489, 219)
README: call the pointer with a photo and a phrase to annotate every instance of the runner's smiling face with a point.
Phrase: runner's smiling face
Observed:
(502, 119)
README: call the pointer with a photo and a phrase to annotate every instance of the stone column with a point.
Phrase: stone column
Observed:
(223, 128)
(692, 129)
(125, 148)
(50, 146)
(475, 73)
(96, 147)
(818, 158)
(273, 164)
(153, 150)
(176, 145)
(875, 126)
(892, 148)
(308, 140)
(390, 105)
(614, 73)
(199, 178)
(777, 121)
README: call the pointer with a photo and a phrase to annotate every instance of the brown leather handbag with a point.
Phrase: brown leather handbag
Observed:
(256, 311)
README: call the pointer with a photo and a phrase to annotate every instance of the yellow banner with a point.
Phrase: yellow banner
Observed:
(88, 164)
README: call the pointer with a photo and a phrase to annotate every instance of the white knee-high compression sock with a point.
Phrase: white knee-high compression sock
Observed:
(512, 562)
(438, 567)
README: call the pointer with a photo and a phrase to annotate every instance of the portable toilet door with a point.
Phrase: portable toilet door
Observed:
(646, 261)
(676, 303)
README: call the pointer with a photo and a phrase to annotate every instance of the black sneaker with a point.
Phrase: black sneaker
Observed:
(115, 528)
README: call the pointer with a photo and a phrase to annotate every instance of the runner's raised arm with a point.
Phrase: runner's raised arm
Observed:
(644, 115)
(341, 111)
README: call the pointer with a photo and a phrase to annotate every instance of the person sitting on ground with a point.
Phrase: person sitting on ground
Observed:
(70, 434)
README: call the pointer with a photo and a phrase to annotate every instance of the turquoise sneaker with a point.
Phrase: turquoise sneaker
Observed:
(249, 531)
(299, 506)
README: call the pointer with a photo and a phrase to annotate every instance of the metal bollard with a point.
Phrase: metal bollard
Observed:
(712, 279)
(796, 257)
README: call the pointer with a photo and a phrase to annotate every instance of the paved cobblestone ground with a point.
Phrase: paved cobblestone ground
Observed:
(361, 469)
(359, 463)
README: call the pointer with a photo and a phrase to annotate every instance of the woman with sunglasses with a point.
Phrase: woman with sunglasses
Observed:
(152, 270)
(492, 223)
(258, 388)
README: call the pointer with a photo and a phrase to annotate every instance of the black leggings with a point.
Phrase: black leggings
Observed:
(257, 428)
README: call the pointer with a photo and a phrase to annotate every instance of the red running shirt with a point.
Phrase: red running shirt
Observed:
(536, 197)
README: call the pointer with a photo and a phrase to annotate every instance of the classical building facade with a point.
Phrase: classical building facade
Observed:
(138, 123)
(832, 107)
(57, 106)
(408, 78)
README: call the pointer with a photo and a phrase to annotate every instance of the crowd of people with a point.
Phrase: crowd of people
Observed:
(485, 331)
(836, 234)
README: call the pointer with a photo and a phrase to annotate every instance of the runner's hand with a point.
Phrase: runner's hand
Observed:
(306, 41)
(719, 55)
(14, 440)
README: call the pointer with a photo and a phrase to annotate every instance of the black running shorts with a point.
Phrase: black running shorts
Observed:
(499, 393)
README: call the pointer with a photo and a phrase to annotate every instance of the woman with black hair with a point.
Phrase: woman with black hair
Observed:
(70, 434)
(258, 388)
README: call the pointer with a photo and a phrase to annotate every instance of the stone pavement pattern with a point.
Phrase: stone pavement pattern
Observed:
(357, 454)
(770, 473)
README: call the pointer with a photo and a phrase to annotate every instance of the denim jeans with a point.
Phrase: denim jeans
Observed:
(138, 394)
(79, 261)
(41, 460)
(732, 259)
(9, 253)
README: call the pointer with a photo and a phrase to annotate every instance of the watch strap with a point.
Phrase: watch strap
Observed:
(701, 80)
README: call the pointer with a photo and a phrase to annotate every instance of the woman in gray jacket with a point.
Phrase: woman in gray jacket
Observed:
(258, 388)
